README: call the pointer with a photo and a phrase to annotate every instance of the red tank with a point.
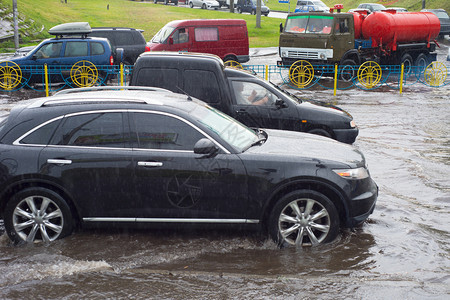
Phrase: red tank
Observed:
(358, 18)
(387, 29)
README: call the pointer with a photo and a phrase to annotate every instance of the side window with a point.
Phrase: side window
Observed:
(50, 50)
(180, 36)
(206, 34)
(250, 93)
(155, 131)
(158, 77)
(103, 34)
(97, 48)
(76, 49)
(124, 38)
(202, 84)
(42, 135)
(342, 26)
(92, 130)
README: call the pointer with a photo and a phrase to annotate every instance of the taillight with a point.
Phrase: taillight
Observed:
(147, 49)
(111, 60)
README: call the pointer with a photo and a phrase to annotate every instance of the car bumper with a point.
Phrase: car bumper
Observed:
(346, 135)
(243, 58)
(362, 205)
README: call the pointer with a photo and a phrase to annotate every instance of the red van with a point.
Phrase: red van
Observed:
(226, 38)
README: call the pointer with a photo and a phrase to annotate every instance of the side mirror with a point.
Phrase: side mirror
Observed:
(170, 41)
(281, 27)
(34, 57)
(280, 104)
(119, 54)
(205, 146)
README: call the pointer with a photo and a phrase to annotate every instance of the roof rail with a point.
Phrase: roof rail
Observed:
(111, 88)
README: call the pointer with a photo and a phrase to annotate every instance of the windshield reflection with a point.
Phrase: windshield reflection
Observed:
(231, 131)
(163, 34)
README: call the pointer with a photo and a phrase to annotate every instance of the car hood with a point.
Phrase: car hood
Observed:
(294, 145)
(317, 105)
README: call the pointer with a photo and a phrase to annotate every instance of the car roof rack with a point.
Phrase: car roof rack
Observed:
(112, 88)
(52, 101)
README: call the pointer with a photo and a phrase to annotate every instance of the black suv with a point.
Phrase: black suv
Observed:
(129, 39)
(149, 156)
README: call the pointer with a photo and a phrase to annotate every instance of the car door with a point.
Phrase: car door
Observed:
(251, 111)
(48, 53)
(90, 157)
(75, 51)
(174, 183)
(179, 40)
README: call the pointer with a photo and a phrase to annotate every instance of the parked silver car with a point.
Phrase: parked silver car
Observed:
(204, 4)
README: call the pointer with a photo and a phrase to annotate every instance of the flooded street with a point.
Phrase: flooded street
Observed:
(401, 252)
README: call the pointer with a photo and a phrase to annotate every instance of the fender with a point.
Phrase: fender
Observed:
(17, 184)
(327, 188)
(351, 54)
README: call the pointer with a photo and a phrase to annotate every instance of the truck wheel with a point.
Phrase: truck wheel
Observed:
(303, 218)
(204, 6)
(239, 10)
(407, 61)
(421, 62)
(253, 12)
(348, 70)
(191, 5)
(37, 214)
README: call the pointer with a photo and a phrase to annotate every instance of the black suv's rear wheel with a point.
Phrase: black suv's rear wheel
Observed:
(303, 218)
(37, 214)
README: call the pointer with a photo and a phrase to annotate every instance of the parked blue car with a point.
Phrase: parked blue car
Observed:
(71, 45)
(68, 51)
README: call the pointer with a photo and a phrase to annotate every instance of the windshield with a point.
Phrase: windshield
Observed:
(309, 24)
(377, 7)
(163, 34)
(441, 14)
(287, 94)
(234, 133)
(319, 4)
(3, 119)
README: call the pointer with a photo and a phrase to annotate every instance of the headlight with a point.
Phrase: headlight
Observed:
(322, 56)
(358, 173)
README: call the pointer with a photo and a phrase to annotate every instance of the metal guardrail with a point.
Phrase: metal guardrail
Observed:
(300, 75)
(368, 76)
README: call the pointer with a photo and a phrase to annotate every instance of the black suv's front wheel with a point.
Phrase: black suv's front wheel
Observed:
(37, 214)
(303, 218)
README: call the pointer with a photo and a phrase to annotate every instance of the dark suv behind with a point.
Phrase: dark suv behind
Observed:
(129, 39)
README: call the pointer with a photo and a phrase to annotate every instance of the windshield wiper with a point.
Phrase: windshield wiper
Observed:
(262, 137)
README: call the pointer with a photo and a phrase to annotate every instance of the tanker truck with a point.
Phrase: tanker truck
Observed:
(387, 37)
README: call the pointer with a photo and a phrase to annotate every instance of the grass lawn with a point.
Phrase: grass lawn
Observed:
(138, 14)
(151, 17)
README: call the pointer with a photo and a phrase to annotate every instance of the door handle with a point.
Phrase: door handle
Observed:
(150, 164)
(59, 161)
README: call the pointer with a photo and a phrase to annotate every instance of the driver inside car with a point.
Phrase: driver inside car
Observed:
(257, 96)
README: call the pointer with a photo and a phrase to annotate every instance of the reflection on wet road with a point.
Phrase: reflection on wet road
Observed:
(401, 252)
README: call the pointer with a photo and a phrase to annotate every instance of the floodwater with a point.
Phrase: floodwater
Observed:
(401, 252)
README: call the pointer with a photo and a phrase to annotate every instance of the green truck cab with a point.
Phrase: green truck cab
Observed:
(318, 37)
